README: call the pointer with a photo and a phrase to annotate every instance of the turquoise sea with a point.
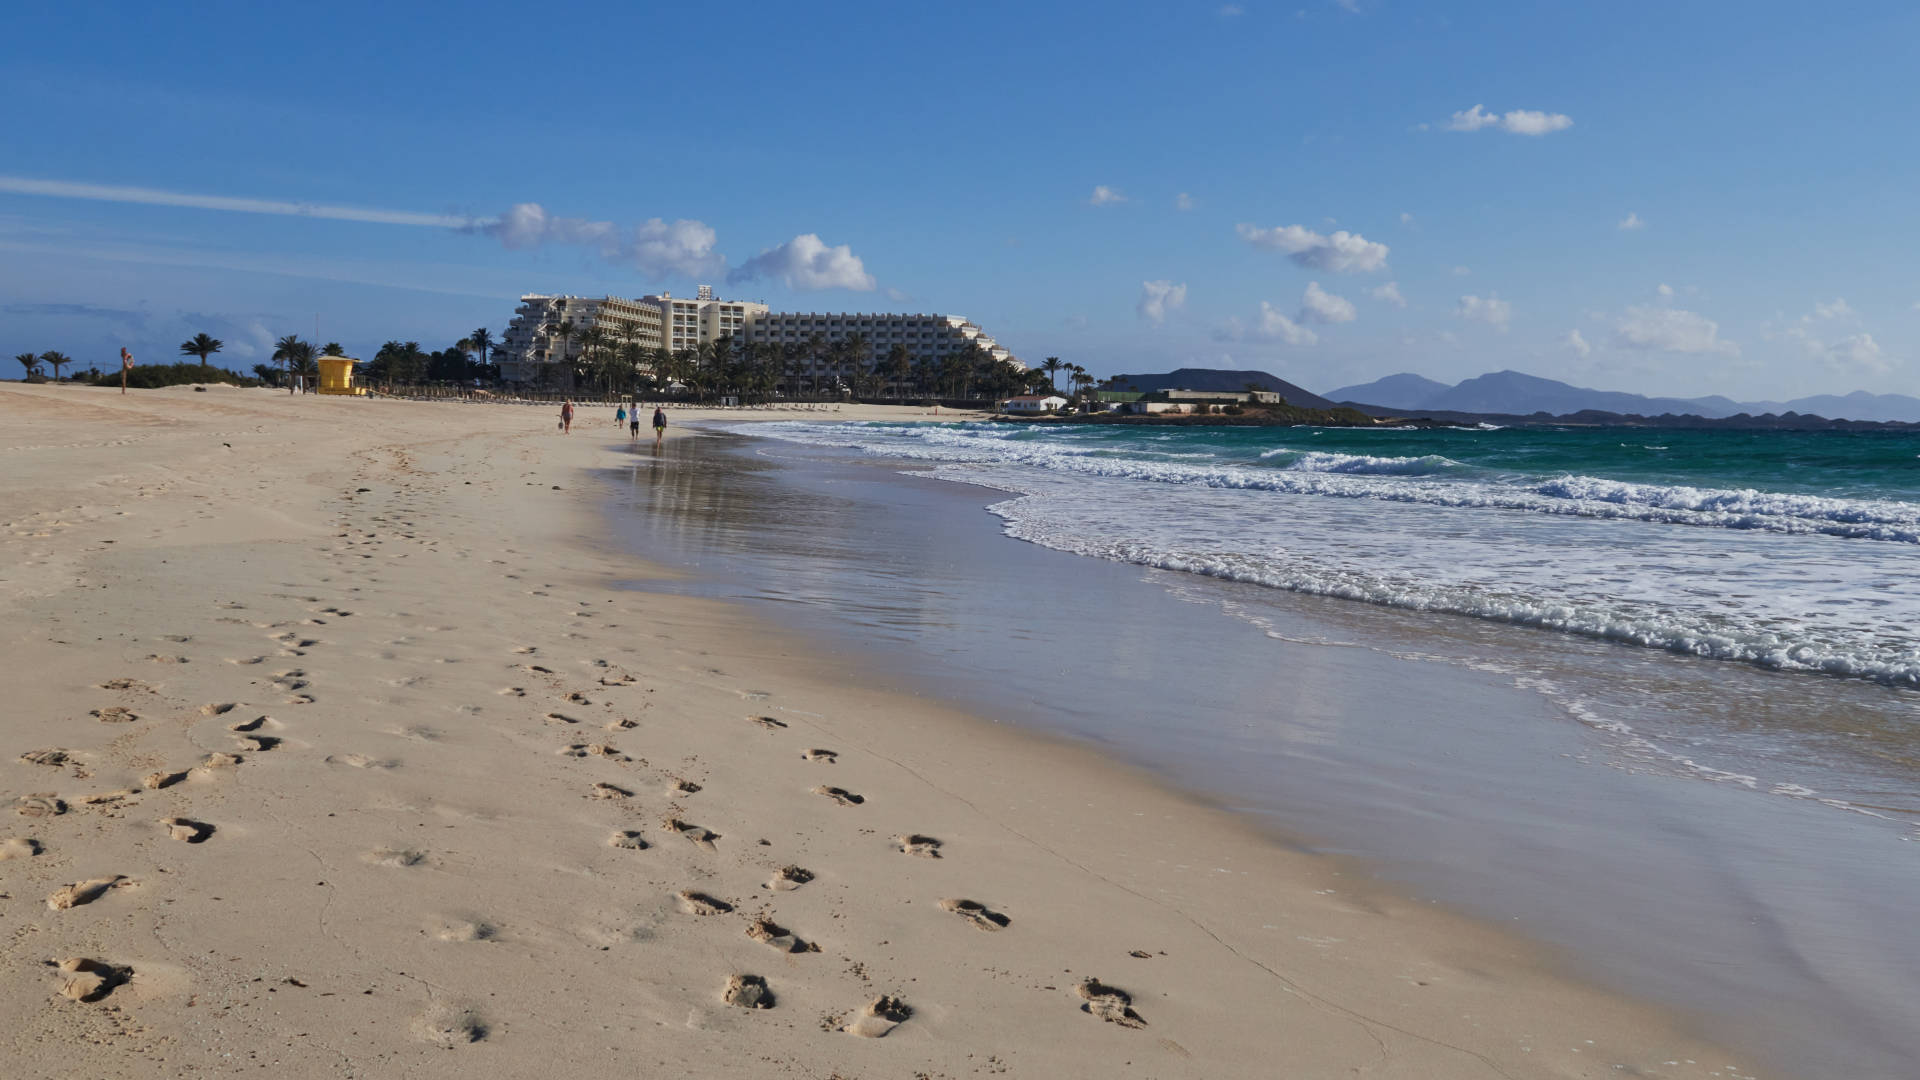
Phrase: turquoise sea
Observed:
(1791, 551)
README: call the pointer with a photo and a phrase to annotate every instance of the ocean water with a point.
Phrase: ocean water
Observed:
(1795, 552)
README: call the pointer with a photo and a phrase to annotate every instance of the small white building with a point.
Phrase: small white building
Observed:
(1034, 404)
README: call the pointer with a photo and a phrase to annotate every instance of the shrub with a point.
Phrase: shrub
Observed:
(154, 376)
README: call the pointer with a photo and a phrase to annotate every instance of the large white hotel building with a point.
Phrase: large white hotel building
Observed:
(678, 322)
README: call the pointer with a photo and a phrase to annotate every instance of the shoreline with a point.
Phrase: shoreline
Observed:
(462, 810)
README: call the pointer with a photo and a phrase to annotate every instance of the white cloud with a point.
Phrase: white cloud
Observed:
(1489, 309)
(655, 247)
(1341, 253)
(72, 189)
(1159, 297)
(1105, 196)
(1516, 122)
(1184, 201)
(1406, 218)
(1666, 329)
(1838, 309)
(1321, 306)
(1274, 326)
(1390, 292)
(1858, 354)
(806, 262)
(1461, 271)
(1665, 290)
(1577, 343)
(1631, 222)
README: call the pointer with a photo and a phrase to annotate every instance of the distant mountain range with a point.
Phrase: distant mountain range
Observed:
(1515, 393)
(1188, 378)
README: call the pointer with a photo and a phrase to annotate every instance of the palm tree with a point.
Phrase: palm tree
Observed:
(267, 373)
(30, 362)
(201, 346)
(897, 364)
(54, 360)
(1050, 365)
(333, 348)
(294, 354)
(482, 342)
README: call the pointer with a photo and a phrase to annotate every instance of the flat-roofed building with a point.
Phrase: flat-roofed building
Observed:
(690, 322)
(534, 338)
(928, 337)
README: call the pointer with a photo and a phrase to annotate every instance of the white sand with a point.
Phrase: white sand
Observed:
(444, 849)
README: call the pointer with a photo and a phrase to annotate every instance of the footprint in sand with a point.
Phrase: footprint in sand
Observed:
(157, 780)
(512, 691)
(108, 798)
(125, 684)
(616, 680)
(840, 795)
(219, 709)
(39, 804)
(17, 847)
(578, 699)
(621, 724)
(114, 715)
(627, 839)
(254, 724)
(247, 661)
(699, 837)
(537, 669)
(53, 757)
(1109, 1003)
(747, 992)
(768, 722)
(560, 718)
(399, 857)
(360, 761)
(159, 659)
(881, 1015)
(217, 760)
(788, 878)
(450, 1025)
(605, 790)
(767, 932)
(925, 847)
(82, 979)
(187, 830)
(825, 757)
(258, 743)
(606, 750)
(975, 913)
(466, 930)
(86, 892)
(699, 903)
(683, 787)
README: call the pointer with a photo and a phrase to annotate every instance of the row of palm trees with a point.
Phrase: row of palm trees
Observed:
(32, 362)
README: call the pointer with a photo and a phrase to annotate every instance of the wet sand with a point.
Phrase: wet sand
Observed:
(337, 747)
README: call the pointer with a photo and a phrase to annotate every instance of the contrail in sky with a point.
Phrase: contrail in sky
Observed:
(70, 189)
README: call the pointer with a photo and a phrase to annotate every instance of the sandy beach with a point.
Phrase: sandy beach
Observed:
(333, 748)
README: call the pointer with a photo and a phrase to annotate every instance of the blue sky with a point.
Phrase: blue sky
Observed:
(1672, 198)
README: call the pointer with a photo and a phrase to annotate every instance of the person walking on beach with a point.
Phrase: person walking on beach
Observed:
(633, 423)
(659, 426)
(619, 416)
(566, 417)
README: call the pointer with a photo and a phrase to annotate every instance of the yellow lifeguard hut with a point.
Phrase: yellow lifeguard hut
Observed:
(336, 376)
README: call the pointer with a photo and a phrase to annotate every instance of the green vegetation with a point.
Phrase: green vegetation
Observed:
(31, 362)
(154, 376)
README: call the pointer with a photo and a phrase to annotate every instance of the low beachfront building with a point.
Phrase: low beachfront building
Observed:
(539, 334)
(1033, 404)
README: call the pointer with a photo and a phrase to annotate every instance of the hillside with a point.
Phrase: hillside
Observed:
(1220, 379)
